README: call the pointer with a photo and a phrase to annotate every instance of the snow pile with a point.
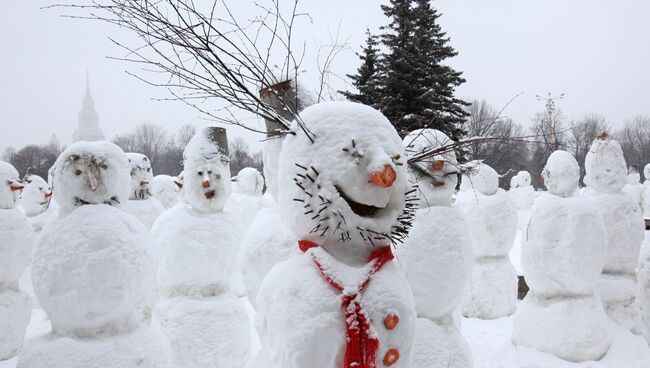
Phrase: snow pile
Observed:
(165, 190)
(492, 219)
(606, 176)
(92, 269)
(15, 249)
(204, 322)
(563, 251)
(35, 196)
(141, 204)
(353, 173)
(437, 257)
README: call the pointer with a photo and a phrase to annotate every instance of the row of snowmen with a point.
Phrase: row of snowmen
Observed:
(317, 260)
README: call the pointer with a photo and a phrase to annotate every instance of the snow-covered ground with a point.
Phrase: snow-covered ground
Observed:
(490, 343)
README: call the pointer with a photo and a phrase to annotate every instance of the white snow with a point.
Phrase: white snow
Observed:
(165, 189)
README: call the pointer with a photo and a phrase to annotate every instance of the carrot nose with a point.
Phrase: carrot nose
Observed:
(143, 183)
(437, 165)
(384, 178)
(16, 187)
(48, 194)
(206, 184)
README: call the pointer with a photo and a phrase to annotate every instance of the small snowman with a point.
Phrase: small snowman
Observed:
(606, 176)
(197, 242)
(492, 219)
(15, 250)
(633, 188)
(92, 269)
(165, 189)
(247, 200)
(35, 197)
(341, 301)
(646, 192)
(142, 205)
(437, 257)
(524, 193)
(563, 252)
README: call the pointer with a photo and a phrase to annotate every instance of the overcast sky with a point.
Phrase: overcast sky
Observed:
(595, 51)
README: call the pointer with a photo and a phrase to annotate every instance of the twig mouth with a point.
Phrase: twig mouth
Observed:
(360, 209)
(210, 194)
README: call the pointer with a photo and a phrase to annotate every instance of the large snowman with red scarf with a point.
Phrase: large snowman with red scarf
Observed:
(142, 205)
(342, 301)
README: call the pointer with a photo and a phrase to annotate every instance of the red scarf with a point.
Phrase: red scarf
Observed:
(361, 344)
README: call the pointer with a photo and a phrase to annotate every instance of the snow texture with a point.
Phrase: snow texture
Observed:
(634, 189)
(146, 210)
(299, 318)
(492, 220)
(15, 311)
(90, 173)
(91, 269)
(643, 295)
(165, 190)
(247, 198)
(34, 198)
(249, 181)
(646, 192)
(481, 179)
(524, 194)
(440, 346)
(605, 166)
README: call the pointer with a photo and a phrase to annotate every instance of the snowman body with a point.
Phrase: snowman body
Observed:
(623, 221)
(492, 219)
(15, 253)
(342, 301)
(563, 253)
(92, 269)
(204, 322)
(142, 204)
(437, 257)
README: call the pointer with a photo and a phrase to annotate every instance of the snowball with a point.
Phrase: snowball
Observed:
(561, 174)
(435, 176)
(205, 333)
(437, 260)
(34, 198)
(572, 329)
(250, 181)
(15, 245)
(9, 186)
(206, 173)
(15, 312)
(482, 179)
(91, 269)
(143, 348)
(141, 175)
(145, 210)
(165, 190)
(90, 173)
(605, 166)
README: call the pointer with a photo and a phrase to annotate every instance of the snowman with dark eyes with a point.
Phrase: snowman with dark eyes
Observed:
(437, 257)
(342, 301)
(197, 241)
(142, 205)
(35, 196)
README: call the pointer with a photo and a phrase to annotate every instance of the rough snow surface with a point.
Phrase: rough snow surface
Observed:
(146, 210)
(440, 346)
(15, 311)
(165, 190)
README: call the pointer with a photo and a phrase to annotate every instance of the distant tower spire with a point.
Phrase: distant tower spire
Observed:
(88, 129)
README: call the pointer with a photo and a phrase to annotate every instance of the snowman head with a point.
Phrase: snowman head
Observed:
(250, 181)
(206, 170)
(90, 173)
(436, 177)
(141, 175)
(10, 185)
(514, 182)
(605, 166)
(561, 174)
(165, 189)
(347, 187)
(523, 178)
(35, 197)
(480, 178)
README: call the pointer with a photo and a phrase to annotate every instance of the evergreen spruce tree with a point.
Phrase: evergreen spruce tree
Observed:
(366, 78)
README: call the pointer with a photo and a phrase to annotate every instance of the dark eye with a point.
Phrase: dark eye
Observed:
(200, 173)
(148, 169)
(103, 166)
(40, 188)
(209, 172)
(78, 172)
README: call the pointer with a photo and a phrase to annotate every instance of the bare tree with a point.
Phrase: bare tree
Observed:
(148, 139)
(241, 157)
(635, 141)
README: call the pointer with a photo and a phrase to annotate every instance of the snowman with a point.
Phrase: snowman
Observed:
(165, 189)
(646, 192)
(268, 240)
(437, 257)
(524, 193)
(341, 301)
(563, 252)
(492, 219)
(633, 187)
(142, 205)
(197, 241)
(35, 197)
(606, 176)
(15, 249)
(248, 198)
(92, 269)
